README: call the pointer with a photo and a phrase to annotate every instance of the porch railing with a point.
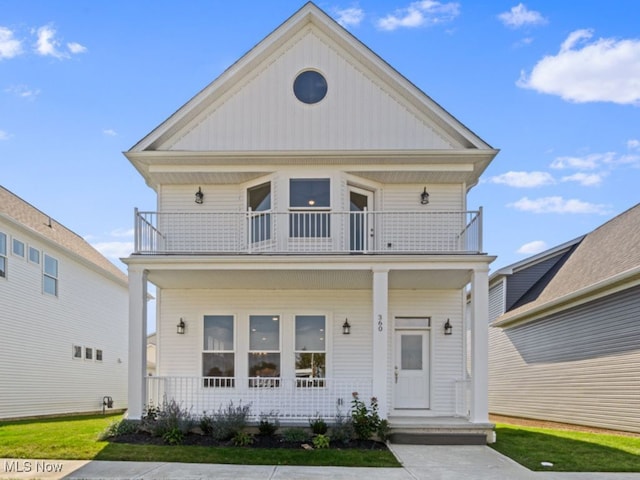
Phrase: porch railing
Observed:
(308, 232)
(288, 398)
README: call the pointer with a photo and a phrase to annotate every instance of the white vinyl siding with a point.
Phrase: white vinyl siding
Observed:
(581, 366)
(348, 356)
(43, 377)
(358, 112)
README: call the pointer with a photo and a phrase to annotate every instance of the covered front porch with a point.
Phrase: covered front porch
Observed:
(382, 300)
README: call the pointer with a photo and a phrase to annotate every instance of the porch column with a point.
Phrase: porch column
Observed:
(137, 341)
(380, 342)
(479, 408)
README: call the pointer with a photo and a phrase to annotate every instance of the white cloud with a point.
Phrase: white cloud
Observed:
(558, 205)
(76, 48)
(524, 179)
(110, 132)
(122, 232)
(605, 70)
(585, 179)
(425, 12)
(349, 16)
(532, 248)
(9, 46)
(48, 45)
(588, 162)
(23, 91)
(633, 144)
(4, 135)
(519, 16)
(114, 250)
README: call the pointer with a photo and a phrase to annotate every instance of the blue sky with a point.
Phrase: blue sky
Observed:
(554, 85)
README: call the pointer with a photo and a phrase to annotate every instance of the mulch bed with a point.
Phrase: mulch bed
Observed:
(259, 441)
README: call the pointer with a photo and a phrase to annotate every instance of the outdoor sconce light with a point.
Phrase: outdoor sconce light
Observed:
(199, 196)
(346, 328)
(181, 326)
(424, 197)
(448, 328)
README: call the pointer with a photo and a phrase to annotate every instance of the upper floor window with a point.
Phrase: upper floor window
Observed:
(34, 255)
(310, 87)
(259, 203)
(3, 254)
(50, 275)
(18, 248)
(309, 200)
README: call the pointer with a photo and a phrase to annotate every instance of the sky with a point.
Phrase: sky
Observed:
(554, 85)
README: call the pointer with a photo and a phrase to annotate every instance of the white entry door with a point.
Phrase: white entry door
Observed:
(411, 371)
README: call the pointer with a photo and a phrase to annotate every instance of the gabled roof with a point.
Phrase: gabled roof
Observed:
(26, 216)
(308, 15)
(602, 262)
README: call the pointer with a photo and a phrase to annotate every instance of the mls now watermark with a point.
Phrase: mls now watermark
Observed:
(29, 466)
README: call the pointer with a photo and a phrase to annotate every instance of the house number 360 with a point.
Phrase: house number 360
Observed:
(379, 323)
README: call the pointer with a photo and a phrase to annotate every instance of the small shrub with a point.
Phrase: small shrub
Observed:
(120, 427)
(159, 421)
(206, 424)
(321, 441)
(384, 430)
(365, 420)
(242, 439)
(342, 429)
(174, 436)
(294, 434)
(268, 424)
(318, 425)
(227, 422)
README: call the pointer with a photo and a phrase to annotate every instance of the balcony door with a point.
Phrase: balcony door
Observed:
(259, 206)
(360, 220)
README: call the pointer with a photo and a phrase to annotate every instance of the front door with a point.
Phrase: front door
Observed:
(360, 221)
(411, 371)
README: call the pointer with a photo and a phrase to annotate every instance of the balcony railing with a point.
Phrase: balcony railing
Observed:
(288, 398)
(308, 232)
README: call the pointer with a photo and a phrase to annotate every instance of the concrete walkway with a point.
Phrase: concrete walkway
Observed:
(419, 462)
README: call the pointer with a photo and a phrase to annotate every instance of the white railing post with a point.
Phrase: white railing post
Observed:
(249, 230)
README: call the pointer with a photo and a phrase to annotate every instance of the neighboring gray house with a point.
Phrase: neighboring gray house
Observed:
(63, 317)
(566, 342)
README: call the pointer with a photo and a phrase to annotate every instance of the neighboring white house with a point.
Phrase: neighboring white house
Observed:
(313, 239)
(151, 354)
(566, 346)
(63, 314)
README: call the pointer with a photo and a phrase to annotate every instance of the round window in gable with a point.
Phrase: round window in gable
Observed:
(310, 87)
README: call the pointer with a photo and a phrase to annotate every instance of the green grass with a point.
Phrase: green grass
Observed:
(76, 438)
(568, 450)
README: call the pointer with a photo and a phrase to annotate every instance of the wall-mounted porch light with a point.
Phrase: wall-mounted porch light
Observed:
(181, 326)
(346, 328)
(448, 328)
(199, 196)
(424, 197)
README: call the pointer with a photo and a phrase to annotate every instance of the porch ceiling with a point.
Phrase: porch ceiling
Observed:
(305, 279)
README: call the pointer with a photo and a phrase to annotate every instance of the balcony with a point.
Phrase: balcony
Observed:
(308, 232)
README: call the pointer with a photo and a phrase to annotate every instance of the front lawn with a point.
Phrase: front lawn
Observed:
(76, 438)
(567, 450)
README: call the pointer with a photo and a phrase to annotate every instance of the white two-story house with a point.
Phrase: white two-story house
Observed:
(312, 239)
(63, 318)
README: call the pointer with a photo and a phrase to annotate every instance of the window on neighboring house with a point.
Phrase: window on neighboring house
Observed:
(218, 355)
(310, 350)
(50, 275)
(259, 202)
(77, 351)
(264, 350)
(309, 203)
(3, 255)
(88, 353)
(18, 248)
(34, 255)
(98, 355)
